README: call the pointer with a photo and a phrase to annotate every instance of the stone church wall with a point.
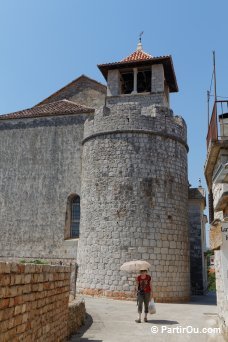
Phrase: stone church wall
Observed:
(84, 91)
(198, 262)
(89, 97)
(40, 165)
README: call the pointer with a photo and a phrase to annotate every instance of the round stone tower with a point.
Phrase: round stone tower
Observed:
(134, 189)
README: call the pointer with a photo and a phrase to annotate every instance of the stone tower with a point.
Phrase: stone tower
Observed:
(134, 183)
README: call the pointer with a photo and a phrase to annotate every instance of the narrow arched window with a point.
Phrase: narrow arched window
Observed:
(72, 219)
(75, 217)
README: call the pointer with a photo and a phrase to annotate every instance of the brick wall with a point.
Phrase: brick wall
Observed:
(33, 302)
(62, 261)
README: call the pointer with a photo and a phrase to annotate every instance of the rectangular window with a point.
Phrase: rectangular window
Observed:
(144, 81)
(75, 218)
(127, 84)
(75, 229)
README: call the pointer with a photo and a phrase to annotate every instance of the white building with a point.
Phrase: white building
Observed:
(216, 173)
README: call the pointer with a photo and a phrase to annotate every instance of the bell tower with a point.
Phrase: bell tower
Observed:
(134, 190)
(139, 74)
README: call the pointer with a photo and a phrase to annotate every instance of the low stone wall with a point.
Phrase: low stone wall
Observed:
(76, 316)
(33, 302)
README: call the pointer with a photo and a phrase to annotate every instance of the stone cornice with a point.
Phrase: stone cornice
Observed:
(137, 131)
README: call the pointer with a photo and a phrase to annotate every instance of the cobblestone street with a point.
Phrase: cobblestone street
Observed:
(114, 321)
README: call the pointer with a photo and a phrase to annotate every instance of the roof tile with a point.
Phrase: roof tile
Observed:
(62, 107)
(138, 55)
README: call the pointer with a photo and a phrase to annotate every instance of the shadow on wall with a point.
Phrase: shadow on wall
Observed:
(78, 337)
(208, 299)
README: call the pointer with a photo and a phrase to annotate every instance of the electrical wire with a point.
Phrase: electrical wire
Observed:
(221, 97)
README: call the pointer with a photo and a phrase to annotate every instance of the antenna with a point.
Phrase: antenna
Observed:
(208, 107)
(215, 93)
(215, 89)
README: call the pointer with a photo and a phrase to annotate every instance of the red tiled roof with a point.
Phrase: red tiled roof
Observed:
(62, 107)
(138, 55)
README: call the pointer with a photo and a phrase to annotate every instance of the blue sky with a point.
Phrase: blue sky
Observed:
(45, 44)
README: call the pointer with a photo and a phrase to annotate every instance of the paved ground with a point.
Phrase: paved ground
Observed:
(114, 321)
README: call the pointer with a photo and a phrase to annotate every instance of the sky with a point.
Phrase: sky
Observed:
(45, 44)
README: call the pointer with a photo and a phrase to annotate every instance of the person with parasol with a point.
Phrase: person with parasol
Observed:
(144, 286)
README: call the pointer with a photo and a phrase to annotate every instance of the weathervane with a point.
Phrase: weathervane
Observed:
(140, 36)
(139, 46)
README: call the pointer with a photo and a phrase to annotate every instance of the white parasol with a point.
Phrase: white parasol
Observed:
(135, 266)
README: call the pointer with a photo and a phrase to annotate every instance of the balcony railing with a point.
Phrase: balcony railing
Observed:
(218, 131)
